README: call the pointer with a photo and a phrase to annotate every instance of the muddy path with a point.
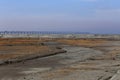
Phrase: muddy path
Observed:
(19, 71)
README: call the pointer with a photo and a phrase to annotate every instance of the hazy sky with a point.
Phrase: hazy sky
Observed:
(96, 16)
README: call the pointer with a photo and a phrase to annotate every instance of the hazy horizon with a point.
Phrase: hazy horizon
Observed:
(93, 16)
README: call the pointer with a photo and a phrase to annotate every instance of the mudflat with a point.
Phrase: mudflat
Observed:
(82, 59)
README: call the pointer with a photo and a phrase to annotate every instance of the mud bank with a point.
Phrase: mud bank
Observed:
(32, 69)
(30, 57)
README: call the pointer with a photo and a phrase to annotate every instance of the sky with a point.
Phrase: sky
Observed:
(94, 16)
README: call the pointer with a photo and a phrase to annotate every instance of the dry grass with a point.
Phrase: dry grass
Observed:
(20, 41)
(84, 42)
(20, 51)
(13, 48)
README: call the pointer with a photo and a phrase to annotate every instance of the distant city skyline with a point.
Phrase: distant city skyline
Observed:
(40, 32)
(93, 16)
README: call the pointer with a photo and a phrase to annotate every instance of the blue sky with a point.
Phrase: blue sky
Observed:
(95, 16)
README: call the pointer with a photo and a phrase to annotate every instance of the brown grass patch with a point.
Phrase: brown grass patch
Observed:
(20, 41)
(13, 48)
(84, 42)
(20, 51)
